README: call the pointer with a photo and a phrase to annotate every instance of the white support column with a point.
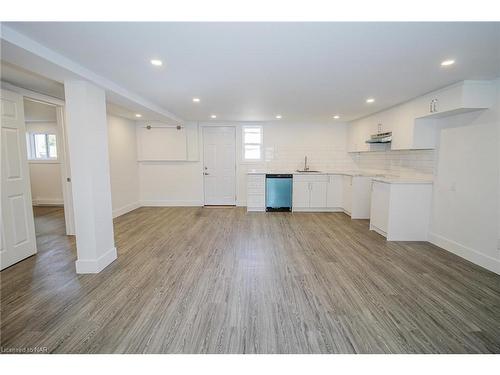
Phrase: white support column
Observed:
(89, 160)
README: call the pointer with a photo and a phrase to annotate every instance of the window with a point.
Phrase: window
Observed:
(252, 143)
(41, 146)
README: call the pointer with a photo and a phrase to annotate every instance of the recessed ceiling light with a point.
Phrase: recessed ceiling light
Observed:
(447, 62)
(278, 116)
(336, 117)
(213, 116)
(138, 115)
(156, 62)
(196, 100)
(370, 100)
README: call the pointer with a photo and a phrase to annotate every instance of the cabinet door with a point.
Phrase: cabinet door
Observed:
(318, 194)
(301, 194)
(379, 215)
(334, 192)
(462, 96)
(448, 99)
(403, 126)
(256, 191)
(347, 193)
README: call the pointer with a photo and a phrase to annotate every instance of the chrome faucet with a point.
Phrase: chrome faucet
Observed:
(306, 168)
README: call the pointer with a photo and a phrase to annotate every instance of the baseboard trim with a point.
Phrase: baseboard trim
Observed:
(126, 209)
(48, 202)
(96, 265)
(256, 209)
(465, 252)
(378, 230)
(164, 203)
(323, 209)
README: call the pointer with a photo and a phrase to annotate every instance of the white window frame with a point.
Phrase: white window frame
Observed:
(30, 136)
(260, 144)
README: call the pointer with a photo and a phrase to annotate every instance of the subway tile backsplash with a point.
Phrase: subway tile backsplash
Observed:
(401, 163)
(328, 157)
(320, 157)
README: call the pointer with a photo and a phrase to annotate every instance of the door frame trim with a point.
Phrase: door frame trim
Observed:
(202, 158)
(62, 146)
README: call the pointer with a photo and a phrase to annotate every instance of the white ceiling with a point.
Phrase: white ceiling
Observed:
(39, 112)
(253, 71)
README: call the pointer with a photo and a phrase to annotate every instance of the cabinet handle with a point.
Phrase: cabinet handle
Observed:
(433, 105)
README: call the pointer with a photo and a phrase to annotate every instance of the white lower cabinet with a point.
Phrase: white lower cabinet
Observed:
(334, 192)
(318, 193)
(356, 196)
(301, 194)
(401, 211)
(256, 192)
(379, 215)
(347, 193)
(310, 192)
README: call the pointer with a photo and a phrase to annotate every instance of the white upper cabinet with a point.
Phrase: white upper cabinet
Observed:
(414, 123)
(360, 131)
(409, 133)
(461, 97)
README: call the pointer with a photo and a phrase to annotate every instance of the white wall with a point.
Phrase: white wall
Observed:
(465, 216)
(285, 145)
(45, 176)
(124, 171)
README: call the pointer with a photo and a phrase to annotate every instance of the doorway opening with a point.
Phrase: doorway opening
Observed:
(48, 173)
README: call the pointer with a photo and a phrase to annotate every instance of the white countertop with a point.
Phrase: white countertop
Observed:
(403, 180)
(348, 173)
(377, 176)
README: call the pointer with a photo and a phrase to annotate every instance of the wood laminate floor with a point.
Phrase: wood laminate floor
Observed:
(194, 280)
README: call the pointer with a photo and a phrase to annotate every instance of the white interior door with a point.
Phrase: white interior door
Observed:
(219, 170)
(18, 228)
